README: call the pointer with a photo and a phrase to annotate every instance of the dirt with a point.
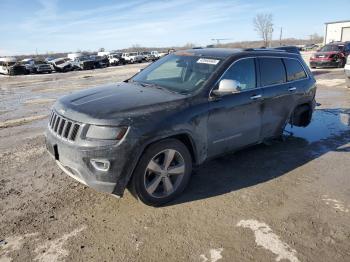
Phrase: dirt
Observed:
(288, 201)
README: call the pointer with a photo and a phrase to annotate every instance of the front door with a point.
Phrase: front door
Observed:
(234, 120)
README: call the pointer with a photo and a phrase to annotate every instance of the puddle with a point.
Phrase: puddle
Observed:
(325, 123)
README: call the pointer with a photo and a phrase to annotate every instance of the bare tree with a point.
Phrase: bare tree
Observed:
(264, 26)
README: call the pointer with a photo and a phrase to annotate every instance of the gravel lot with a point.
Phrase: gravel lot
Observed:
(288, 201)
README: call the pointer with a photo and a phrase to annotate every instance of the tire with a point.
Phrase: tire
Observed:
(342, 63)
(152, 187)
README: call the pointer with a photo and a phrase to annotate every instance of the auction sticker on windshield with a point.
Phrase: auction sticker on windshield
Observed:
(208, 61)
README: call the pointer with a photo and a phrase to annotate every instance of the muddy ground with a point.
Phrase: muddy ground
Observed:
(288, 201)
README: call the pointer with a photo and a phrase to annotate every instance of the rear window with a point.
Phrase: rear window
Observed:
(272, 71)
(295, 70)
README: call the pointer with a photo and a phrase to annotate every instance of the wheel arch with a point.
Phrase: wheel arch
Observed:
(301, 115)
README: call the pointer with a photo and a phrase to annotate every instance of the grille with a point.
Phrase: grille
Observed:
(63, 127)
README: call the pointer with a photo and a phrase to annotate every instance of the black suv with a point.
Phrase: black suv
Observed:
(147, 132)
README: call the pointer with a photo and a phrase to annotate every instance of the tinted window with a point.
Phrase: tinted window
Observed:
(243, 71)
(272, 71)
(295, 71)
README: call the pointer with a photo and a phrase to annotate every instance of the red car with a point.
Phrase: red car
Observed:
(331, 55)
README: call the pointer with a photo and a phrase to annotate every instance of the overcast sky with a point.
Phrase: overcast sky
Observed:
(65, 25)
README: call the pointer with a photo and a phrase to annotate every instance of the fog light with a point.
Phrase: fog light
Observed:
(99, 164)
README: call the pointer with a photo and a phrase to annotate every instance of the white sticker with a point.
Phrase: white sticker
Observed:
(208, 61)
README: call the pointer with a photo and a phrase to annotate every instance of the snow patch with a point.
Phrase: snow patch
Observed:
(12, 244)
(265, 238)
(215, 255)
(53, 250)
(336, 204)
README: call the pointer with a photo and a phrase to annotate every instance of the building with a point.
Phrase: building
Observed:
(337, 31)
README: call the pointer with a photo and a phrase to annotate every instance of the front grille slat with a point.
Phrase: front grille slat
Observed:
(67, 131)
(63, 127)
(74, 133)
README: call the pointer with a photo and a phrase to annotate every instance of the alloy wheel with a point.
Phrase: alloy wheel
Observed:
(164, 173)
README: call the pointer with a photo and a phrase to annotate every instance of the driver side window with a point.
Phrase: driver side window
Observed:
(243, 72)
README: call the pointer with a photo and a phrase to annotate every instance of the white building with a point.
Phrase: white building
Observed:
(337, 31)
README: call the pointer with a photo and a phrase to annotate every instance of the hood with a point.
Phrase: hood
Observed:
(113, 103)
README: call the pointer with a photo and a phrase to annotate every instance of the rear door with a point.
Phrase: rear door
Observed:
(235, 119)
(280, 80)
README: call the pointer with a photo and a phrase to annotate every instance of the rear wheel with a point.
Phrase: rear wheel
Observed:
(301, 116)
(342, 63)
(162, 173)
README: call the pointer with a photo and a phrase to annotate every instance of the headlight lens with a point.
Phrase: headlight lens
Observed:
(106, 132)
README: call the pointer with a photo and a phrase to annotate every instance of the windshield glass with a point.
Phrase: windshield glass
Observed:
(59, 62)
(329, 48)
(180, 73)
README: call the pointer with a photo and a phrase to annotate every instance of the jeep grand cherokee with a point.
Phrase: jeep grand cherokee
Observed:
(147, 132)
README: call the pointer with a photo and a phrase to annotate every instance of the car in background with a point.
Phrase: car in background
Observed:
(100, 61)
(147, 132)
(147, 56)
(309, 47)
(347, 72)
(331, 55)
(62, 64)
(132, 57)
(115, 59)
(155, 54)
(83, 63)
(36, 66)
(10, 66)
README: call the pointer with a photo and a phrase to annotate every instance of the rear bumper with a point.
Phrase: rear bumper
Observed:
(324, 63)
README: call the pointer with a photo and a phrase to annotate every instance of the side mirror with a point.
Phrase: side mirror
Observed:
(226, 87)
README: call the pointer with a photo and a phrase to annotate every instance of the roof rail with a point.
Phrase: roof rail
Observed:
(288, 49)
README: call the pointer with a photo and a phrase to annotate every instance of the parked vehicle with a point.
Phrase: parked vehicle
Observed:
(155, 55)
(310, 47)
(147, 56)
(100, 61)
(83, 63)
(347, 72)
(331, 55)
(9, 66)
(62, 64)
(147, 132)
(36, 66)
(132, 57)
(116, 59)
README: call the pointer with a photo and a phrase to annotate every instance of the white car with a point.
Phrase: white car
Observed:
(9, 66)
(132, 57)
(115, 58)
(347, 71)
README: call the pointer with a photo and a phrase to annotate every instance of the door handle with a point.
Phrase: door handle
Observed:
(292, 89)
(256, 97)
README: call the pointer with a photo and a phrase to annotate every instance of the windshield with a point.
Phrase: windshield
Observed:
(59, 62)
(180, 73)
(329, 48)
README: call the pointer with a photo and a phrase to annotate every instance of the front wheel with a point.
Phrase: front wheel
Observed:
(162, 173)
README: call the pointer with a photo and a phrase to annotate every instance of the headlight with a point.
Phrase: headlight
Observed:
(106, 132)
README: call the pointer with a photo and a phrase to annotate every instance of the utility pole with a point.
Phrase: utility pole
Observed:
(281, 37)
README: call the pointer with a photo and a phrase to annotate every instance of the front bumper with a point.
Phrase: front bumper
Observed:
(324, 63)
(75, 161)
